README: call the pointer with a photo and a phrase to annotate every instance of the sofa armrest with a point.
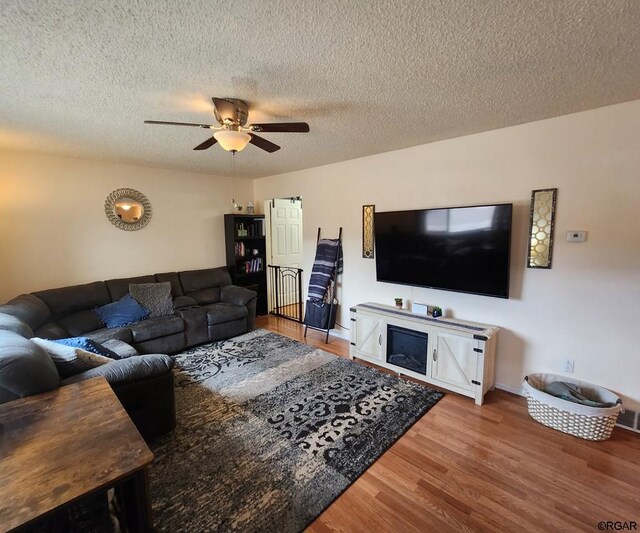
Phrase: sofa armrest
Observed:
(25, 369)
(12, 323)
(126, 370)
(232, 294)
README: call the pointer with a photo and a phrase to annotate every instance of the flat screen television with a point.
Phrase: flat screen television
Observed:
(462, 249)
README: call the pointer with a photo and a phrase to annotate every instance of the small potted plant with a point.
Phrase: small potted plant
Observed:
(437, 311)
(398, 302)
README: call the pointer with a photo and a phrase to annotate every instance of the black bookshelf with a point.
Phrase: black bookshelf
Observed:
(245, 246)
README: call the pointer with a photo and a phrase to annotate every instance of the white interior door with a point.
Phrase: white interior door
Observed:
(286, 244)
(286, 232)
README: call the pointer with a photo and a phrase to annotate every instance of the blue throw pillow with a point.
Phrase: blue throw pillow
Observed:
(89, 345)
(125, 311)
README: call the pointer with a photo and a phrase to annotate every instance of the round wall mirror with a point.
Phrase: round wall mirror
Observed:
(128, 209)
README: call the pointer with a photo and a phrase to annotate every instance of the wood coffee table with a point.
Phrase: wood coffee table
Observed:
(61, 445)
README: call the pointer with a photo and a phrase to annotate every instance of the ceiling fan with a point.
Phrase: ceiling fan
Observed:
(232, 132)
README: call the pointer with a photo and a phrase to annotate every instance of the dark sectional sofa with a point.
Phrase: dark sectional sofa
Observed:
(207, 308)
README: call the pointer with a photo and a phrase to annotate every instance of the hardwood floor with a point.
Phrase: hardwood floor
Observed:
(463, 467)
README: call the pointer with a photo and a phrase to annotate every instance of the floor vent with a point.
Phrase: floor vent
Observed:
(629, 419)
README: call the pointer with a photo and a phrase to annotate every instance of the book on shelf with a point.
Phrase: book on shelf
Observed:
(254, 265)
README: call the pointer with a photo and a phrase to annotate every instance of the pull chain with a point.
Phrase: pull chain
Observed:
(233, 175)
(236, 206)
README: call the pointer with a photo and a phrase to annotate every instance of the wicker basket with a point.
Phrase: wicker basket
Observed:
(590, 423)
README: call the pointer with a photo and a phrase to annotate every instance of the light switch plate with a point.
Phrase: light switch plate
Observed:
(576, 236)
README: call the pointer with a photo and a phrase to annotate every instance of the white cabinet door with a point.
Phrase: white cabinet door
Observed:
(370, 337)
(454, 361)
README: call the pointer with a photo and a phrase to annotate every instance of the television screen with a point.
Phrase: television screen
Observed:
(463, 249)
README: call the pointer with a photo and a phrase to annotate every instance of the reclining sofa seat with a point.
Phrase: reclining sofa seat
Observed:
(225, 310)
(144, 385)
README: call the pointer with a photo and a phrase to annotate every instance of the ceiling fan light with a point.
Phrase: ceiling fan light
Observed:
(231, 140)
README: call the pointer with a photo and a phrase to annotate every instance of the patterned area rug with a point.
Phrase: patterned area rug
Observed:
(271, 431)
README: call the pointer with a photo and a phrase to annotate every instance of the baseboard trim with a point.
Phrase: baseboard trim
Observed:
(341, 334)
(518, 391)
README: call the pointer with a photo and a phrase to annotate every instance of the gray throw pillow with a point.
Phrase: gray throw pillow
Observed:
(156, 297)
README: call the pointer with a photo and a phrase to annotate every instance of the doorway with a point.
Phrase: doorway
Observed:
(285, 254)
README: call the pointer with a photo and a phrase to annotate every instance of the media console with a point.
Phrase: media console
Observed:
(453, 354)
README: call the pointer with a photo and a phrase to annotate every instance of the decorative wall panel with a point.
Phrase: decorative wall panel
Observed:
(367, 231)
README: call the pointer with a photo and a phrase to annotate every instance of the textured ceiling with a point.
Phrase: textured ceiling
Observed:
(78, 78)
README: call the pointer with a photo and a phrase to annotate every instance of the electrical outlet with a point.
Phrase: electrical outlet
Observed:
(569, 366)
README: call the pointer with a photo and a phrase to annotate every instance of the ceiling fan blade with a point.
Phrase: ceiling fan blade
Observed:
(281, 127)
(178, 123)
(225, 109)
(206, 144)
(263, 143)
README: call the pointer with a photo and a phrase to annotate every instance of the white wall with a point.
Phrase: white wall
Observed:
(586, 308)
(54, 231)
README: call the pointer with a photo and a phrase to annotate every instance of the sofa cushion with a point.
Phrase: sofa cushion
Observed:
(174, 279)
(29, 309)
(80, 322)
(104, 334)
(221, 312)
(184, 301)
(66, 300)
(194, 280)
(206, 296)
(51, 330)
(25, 368)
(153, 328)
(156, 297)
(69, 360)
(120, 287)
(121, 313)
(204, 285)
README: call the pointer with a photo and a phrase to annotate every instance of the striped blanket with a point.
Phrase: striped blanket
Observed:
(323, 265)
